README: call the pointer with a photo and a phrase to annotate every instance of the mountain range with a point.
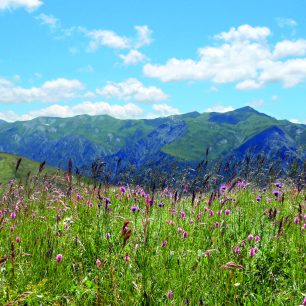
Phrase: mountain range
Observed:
(182, 138)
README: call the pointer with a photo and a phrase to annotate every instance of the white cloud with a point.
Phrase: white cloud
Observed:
(48, 20)
(296, 121)
(132, 89)
(128, 111)
(219, 109)
(165, 110)
(29, 5)
(144, 34)
(111, 39)
(244, 57)
(108, 39)
(290, 48)
(133, 57)
(274, 98)
(245, 32)
(86, 69)
(50, 91)
(286, 22)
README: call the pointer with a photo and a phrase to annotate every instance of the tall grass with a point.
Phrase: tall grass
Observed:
(240, 245)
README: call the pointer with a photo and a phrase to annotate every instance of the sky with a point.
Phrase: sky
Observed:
(151, 58)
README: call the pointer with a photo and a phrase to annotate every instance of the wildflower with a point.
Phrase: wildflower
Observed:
(66, 226)
(164, 243)
(59, 257)
(223, 187)
(250, 237)
(183, 214)
(258, 199)
(170, 294)
(18, 239)
(257, 238)
(252, 252)
(296, 220)
(276, 193)
(160, 204)
(191, 221)
(185, 235)
(227, 212)
(237, 249)
(122, 189)
(108, 235)
(242, 243)
(90, 204)
(98, 263)
(179, 229)
(12, 228)
(278, 184)
(211, 213)
(304, 302)
(134, 208)
(219, 212)
(217, 224)
(303, 227)
(33, 216)
(269, 200)
(127, 257)
(13, 215)
(171, 223)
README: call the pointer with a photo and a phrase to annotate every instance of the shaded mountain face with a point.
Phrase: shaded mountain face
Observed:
(183, 138)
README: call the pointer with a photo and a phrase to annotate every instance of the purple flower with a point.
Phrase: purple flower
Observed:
(127, 257)
(170, 294)
(278, 184)
(179, 229)
(183, 214)
(59, 257)
(217, 224)
(122, 189)
(12, 228)
(257, 238)
(258, 199)
(304, 302)
(108, 235)
(164, 243)
(160, 204)
(223, 187)
(211, 213)
(276, 193)
(227, 212)
(250, 237)
(18, 239)
(296, 220)
(134, 208)
(185, 235)
(13, 215)
(252, 252)
(237, 249)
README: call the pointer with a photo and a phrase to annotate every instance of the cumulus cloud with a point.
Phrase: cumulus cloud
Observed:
(29, 5)
(128, 111)
(133, 57)
(244, 32)
(165, 110)
(219, 109)
(244, 57)
(50, 91)
(144, 36)
(290, 48)
(132, 89)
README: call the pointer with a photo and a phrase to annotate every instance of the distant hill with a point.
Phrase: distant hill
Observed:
(183, 138)
(8, 164)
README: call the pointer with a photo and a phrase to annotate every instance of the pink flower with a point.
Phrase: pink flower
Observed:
(250, 237)
(127, 257)
(185, 235)
(227, 212)
(18, 239)
(12, 228)
(237, 249)
(164, 243)
(13, 215)
(217, 224)
(98, 263)
(296, 220)
(257, 238)
(211, 213)
(179, 229)
(59, 257)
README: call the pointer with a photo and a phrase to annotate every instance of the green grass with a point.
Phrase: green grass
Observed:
(8, 167)
(193, 268)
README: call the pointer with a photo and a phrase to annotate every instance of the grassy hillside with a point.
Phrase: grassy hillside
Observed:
(8, 167)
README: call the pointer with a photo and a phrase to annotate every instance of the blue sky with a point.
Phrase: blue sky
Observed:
(142, 59)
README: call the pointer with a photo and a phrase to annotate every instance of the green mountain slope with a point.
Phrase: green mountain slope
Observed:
(8, 164)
